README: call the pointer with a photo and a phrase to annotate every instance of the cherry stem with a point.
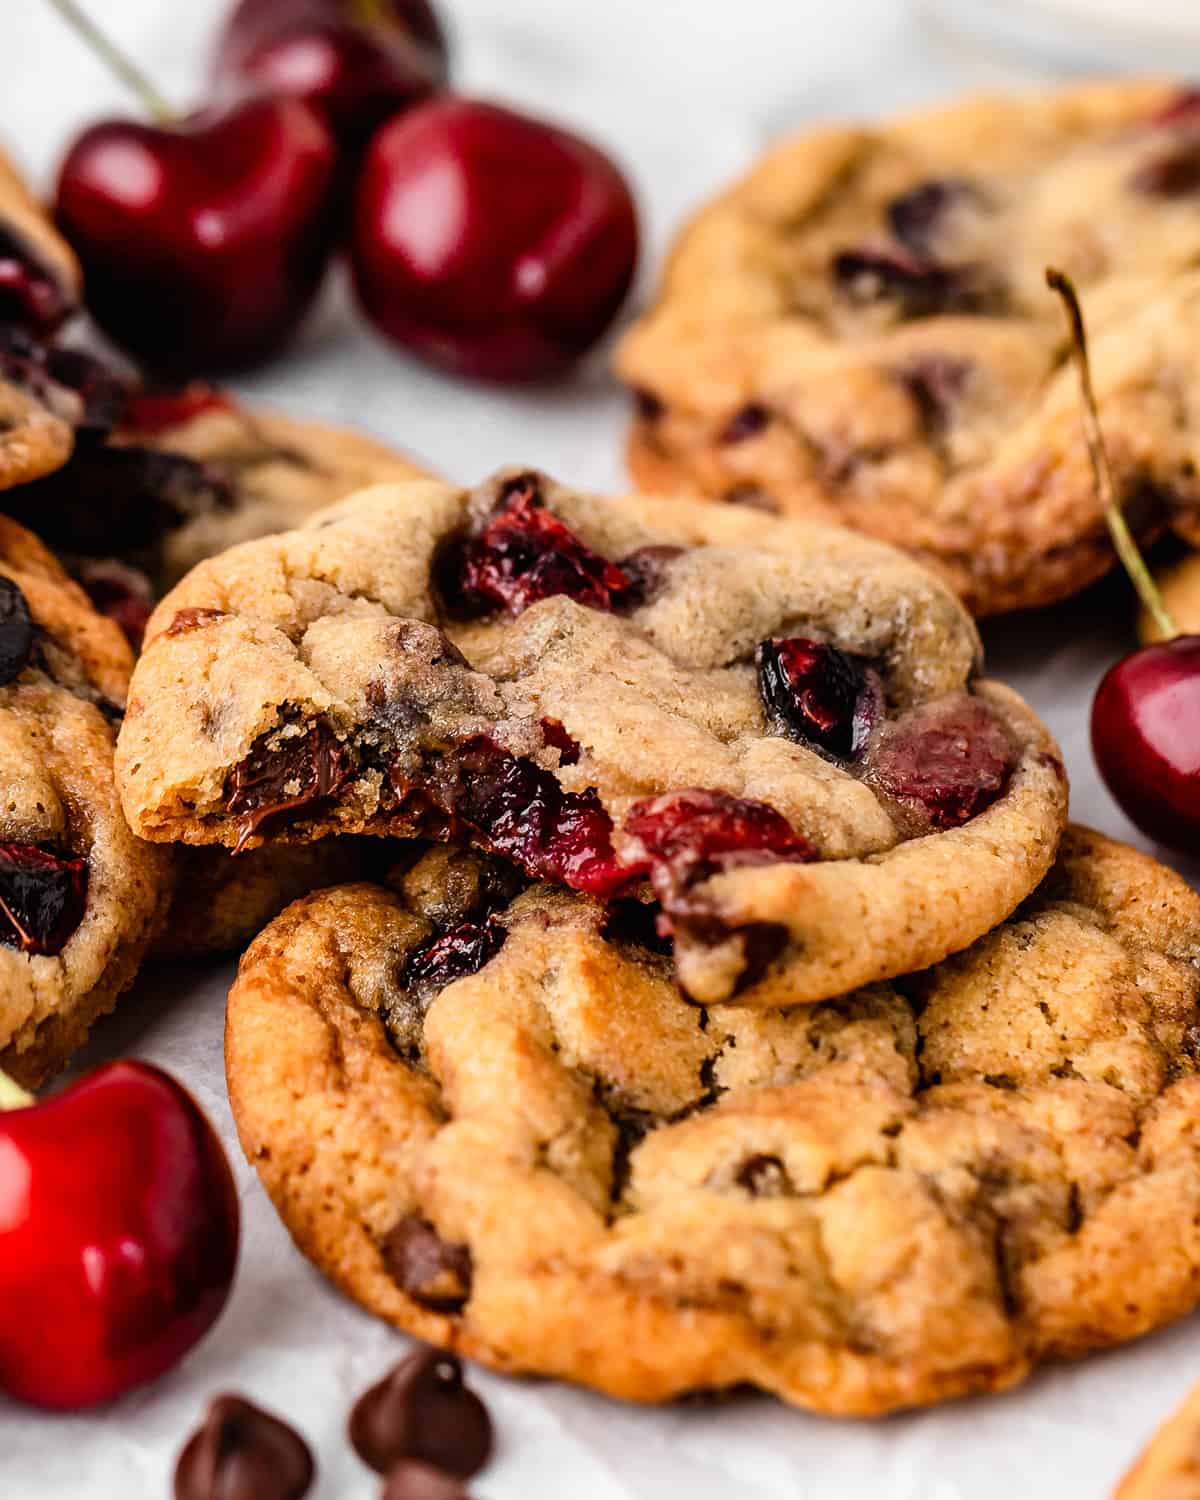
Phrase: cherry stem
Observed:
(126, 71)
(12, 1095)
(1127, 549)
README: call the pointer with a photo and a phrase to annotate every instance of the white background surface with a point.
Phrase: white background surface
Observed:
(684, 92)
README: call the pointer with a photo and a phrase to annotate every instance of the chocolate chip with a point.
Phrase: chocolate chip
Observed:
(243, 1453)
(17, 631)
(1171, 174)
(281, 775)
(936, 383)
(647, 405)
(646, 570)
(412, 1480)
(747, 423)
(423, 1410)
(754, 498)
(916, 287)
(433, 1273)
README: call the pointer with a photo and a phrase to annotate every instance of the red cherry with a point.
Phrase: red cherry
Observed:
(489, 242)
(118, 1236)
(203, 242)
(1146, 713)
(1146, 739)
(359, 61)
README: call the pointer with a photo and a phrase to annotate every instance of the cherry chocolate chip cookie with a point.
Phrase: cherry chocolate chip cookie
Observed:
(492, 1120)
(80, 895)
(860, 331)
(773, 730)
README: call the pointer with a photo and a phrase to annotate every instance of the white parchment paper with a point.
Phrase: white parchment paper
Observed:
(684, 92)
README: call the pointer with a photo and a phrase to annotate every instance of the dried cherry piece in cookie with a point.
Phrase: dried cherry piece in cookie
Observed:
(943, 763)
(423, 1410)
(29, 294)
(17, 631)
(152, 412)
(42, 897)
(524, 554)
(681, 838)
(434, 1274)
(818, 695)
(518, 810)
(283, 774)
(455, 954)
(241, 1452)
(1182, 109)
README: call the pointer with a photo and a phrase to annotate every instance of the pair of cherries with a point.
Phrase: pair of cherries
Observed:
(484, 240)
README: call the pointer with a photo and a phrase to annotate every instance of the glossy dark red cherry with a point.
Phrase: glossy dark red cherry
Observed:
(1146, 739)
(1145, 721)
(359, 61)
(203, 243)
(118, 1236)
(489, 242)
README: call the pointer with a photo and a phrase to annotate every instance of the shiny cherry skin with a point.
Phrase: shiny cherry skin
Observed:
(489, 242)
(118, 1236)
(203, 244)
(359, 61)
(1146, 739)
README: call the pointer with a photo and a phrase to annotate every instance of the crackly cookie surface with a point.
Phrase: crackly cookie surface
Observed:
(79, 893)
(1169, 1466)
(180, 475)
(776, 728)
(860, 331)
(494, 1121)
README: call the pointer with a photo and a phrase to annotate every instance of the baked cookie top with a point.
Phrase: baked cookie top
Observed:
(495, 1122)
(860, 330)
(776, 728)
(184, 474)
(1169, 1466)
(79, 893)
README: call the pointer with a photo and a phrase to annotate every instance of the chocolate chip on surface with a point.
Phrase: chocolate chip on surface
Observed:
(241, 1452)
(17, 631)
(413, 1480)
(422, 1410)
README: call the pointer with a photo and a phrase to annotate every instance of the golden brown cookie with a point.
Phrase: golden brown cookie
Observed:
(79, 893)
(1169, 1466)
(777, 728)
(860, 331)
(495, 1123)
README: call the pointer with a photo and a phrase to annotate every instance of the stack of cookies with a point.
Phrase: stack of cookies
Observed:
(738, 1007)
(131, 486)
(730, 1001)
